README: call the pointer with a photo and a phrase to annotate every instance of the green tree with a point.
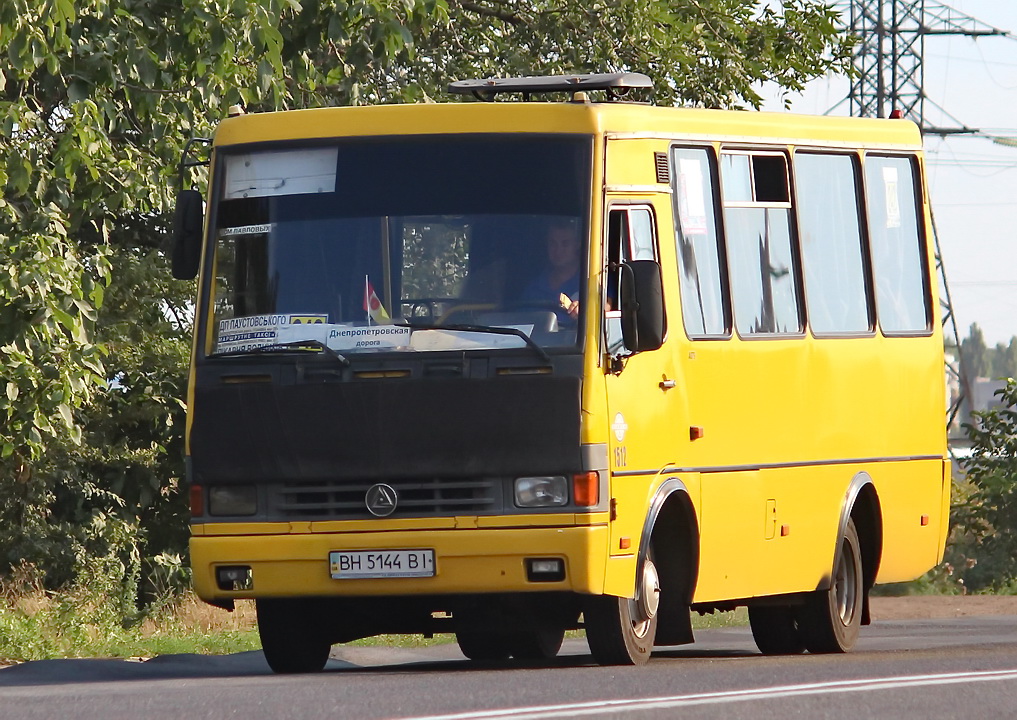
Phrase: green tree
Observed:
(97, 100)
(975, 352)
(1004, 359)
(986, 519)
(711, 53)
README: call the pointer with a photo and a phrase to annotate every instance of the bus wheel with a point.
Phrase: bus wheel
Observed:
(485, 645)
(831, 618)
(291, 636)
(620, 631)
(776, 631)
(542, 643)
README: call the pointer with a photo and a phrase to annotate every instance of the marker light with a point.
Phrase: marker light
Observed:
(541, 491)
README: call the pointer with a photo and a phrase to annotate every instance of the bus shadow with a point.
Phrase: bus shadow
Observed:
(382, 660)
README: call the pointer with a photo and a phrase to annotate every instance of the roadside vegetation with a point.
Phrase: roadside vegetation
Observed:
(86, 620)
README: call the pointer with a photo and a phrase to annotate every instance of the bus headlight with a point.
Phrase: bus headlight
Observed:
(232, 500)
(542, 491)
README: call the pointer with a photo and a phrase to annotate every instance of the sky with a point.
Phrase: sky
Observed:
(972, 181)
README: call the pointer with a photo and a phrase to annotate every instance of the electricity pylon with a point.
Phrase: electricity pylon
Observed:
(889, 81)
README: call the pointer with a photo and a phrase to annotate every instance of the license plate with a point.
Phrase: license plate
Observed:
(351, 564)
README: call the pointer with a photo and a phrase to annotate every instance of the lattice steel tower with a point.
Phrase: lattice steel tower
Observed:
(889, 78)
(888, 58)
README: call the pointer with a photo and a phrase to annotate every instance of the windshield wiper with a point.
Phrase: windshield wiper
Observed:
(295, 345)
(482, 329)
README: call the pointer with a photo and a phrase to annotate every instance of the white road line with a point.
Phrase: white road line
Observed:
(615, 707)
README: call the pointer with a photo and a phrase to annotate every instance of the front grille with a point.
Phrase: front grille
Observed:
(344, 500)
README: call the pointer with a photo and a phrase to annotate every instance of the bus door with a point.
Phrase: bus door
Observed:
(640, 400)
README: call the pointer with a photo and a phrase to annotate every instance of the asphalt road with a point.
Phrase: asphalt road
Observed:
(962, 667)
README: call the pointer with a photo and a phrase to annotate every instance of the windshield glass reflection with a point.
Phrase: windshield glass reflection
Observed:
(366, 246)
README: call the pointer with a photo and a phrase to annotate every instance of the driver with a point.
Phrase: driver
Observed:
(558, 283)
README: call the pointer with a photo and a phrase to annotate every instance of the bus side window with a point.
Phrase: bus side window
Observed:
(700, 256)
(630, 236)
(830, 235)
(763, 270)
(895, 242)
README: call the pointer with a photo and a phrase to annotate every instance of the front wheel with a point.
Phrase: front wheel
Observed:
(831, 618)
(620, 631)
(538, 643)
(291, 635)
(541, 643)
(776, 631)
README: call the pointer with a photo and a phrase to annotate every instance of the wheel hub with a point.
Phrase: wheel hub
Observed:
(649, 591)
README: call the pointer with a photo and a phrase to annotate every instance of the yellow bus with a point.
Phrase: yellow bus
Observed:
(518, 366)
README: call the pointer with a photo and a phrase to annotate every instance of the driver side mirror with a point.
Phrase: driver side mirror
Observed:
(188, 223)
(641, 292)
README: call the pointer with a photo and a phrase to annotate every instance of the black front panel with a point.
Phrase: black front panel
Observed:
(372, 431)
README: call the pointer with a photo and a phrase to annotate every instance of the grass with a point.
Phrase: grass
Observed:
(37, 625)
(735, 618)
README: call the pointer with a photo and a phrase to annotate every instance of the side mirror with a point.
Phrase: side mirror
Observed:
(641, 291)
(188, 223)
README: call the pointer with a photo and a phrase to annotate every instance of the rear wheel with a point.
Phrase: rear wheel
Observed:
(831, 618)
(620, 631)
(776, 631)
(291, 636)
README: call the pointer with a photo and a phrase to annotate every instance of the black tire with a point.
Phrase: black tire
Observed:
(485, 645)
(831, 618)
(537, 643)
(620, 631)
(775, 630)
(292, 636)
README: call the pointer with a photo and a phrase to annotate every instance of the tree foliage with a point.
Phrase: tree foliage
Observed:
(980, 360)
(986, 517)
(97, 99)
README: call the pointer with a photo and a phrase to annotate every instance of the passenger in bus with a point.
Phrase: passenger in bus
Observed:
(557, 285)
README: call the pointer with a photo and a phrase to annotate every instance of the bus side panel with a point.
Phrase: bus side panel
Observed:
(731, 531)
(769, 532)
(910, 494)
(775, 531)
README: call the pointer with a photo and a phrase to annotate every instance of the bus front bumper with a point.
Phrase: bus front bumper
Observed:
(467, 561)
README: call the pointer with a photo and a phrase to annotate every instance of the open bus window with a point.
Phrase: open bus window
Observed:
(763, 272)
(631, 236)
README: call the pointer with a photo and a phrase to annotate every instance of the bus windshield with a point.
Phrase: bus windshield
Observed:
(396, 244)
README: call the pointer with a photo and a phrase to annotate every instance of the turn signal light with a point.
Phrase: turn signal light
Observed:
(586, 489)
(197, 501)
